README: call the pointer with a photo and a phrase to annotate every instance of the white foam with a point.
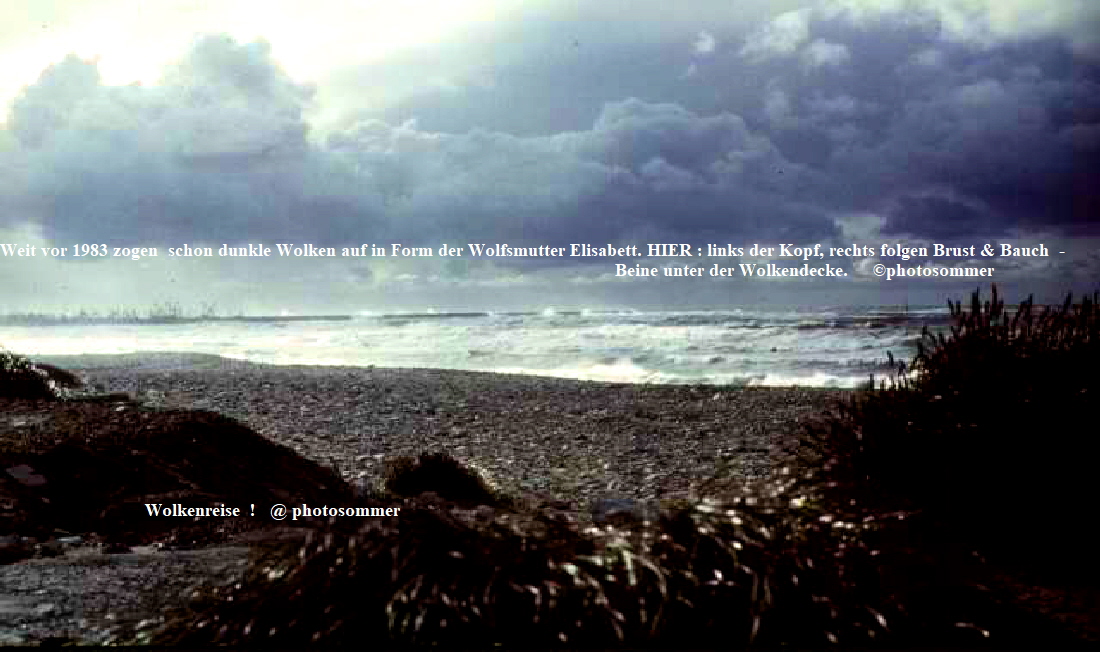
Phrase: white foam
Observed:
(613, 346)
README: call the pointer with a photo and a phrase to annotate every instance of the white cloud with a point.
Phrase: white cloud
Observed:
(705, 43)
(782, 36)
(134, 39)
(666, 177)
(822, 53)
(986, 22)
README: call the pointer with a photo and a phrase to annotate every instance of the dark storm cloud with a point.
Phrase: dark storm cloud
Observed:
(553, 69)
(641, 171)
(876, 109)
(218, 152)
(215, 152)
(939, 218)
(701, 136)
(908, 112)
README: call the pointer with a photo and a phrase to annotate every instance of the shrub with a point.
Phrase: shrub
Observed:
(20, 378)
(90, 467)
(757, 571)
(441, 474)
(988, 432)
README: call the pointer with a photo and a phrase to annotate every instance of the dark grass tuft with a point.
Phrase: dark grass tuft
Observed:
(990, 432)
(441, 474)
(22, 379)
(89, 467)
(759, 571)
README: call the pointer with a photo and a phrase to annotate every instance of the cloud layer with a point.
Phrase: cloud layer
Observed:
(934, 121)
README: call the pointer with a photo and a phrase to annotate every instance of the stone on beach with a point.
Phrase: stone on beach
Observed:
(621, 511)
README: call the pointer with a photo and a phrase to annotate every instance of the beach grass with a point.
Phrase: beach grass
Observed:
(985, 431)
(19, 378)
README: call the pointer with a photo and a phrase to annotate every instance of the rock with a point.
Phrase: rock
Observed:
(51, 548)
(26, 475)
(619, 511)
(13, 548)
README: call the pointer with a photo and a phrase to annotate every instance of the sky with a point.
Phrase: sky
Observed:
(340, 123)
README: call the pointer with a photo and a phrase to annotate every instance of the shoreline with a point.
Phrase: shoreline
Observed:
(565, 439)
(192, 361)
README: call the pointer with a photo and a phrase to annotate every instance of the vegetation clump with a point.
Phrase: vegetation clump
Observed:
(92, 467)
(443, 475)
(22, 379)
(987, 434)
(765, 569)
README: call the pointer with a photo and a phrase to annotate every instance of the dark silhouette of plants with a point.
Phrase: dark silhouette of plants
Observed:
(20, 378)
(765, 569)
(443, 475)
(987, 433)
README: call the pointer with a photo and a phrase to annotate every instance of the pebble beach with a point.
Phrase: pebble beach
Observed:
(534, 437)
(560, 438)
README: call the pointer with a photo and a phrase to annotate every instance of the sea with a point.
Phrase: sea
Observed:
(828, 347)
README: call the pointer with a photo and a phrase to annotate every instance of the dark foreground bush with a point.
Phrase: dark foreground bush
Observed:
(91, 467)
(991, 433)
(443, 475)
(21, 379)
(758, 571)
